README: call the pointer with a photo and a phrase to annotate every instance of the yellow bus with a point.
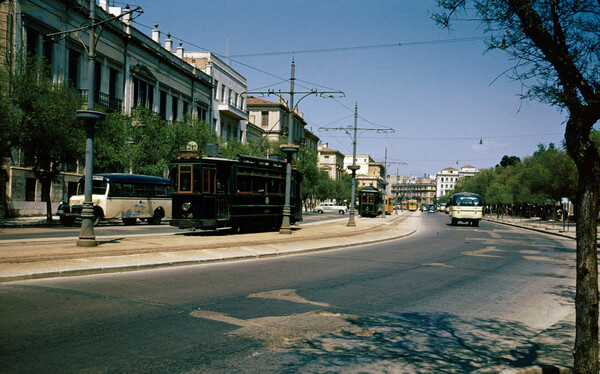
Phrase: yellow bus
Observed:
(465, 207)
(403, 205)
(412, 205)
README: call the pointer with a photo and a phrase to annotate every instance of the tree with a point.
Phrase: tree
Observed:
(153, 143)
(110, 144)
(8, 113)
(509, 161)
(554, 45)
(43, 121)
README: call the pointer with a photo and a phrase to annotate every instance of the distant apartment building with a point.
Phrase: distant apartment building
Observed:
(273, 118)
(131, 70)
(369, 172)
(228, 106)
(446, 178)
(331, 161)
(422, 189)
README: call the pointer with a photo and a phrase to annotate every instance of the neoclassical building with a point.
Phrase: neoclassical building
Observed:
(131, 69)
(446, 178)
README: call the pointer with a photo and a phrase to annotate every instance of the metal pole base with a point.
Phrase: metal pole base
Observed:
(285, 223)
(351, 219)
(87, 238)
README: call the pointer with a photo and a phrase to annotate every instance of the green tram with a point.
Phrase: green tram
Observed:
(245, 194)
(370, 202)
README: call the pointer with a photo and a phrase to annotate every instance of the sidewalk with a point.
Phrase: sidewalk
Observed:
(536, 224)
(31, 259)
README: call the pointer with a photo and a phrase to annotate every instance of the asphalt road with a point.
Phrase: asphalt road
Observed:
(447, 299)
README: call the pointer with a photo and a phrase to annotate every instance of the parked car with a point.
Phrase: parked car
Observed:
(331, 207)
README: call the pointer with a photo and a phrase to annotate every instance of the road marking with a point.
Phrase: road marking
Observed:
(439, 264)
(286, 294)
(483, 252)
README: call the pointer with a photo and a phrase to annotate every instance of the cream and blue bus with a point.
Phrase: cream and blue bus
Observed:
(127, 197)
(465, 207)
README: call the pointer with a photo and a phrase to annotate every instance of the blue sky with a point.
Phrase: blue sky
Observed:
(389, 58)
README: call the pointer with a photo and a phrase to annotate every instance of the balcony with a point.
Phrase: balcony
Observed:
(112, 104)
(233, 112)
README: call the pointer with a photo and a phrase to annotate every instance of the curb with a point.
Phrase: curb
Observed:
(544, 231)
(198, 261)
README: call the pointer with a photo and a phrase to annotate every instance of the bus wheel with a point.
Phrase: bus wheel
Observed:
(454, 222)
(476, 223)
(155, 220)
(67, 221)
(96, 219)
(129, 221)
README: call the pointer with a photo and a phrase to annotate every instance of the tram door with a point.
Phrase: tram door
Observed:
(222, 193)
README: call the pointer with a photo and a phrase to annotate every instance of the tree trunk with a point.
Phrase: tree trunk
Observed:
(46, 197)
(586, 157)
(586, 298)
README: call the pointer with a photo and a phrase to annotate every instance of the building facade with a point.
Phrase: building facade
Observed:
(228, 107)
(131, 70)
(331, 161)
(273, 118)
(369, 172)
(422, 189)
(446, 178)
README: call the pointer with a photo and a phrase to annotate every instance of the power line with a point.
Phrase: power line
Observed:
(374, 46)
(470, 138)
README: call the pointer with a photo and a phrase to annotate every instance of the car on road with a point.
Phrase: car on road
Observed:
(331, 208)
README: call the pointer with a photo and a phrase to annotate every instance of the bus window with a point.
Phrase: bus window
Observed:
(139, 189)
(127, 189)
(116, 189)
(162, 190)
(98, 187)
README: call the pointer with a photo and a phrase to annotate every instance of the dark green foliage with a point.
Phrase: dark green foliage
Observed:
(40, 120)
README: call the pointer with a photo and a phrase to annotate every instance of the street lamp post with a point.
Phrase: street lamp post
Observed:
(87, 237)
(351, 222)
(289, 150)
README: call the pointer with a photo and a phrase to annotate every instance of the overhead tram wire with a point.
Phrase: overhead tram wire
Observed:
(470, 137)
(375, 46)
(218, 55)
(391, 45)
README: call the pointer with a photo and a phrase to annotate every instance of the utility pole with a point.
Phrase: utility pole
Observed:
(292, 107)
(353, 167)
(288, 149)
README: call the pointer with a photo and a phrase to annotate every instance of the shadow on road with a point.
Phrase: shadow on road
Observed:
(441, 343)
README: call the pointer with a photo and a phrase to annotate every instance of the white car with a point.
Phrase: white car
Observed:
(331, 207)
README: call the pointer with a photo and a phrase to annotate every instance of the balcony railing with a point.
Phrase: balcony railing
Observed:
(111, 103)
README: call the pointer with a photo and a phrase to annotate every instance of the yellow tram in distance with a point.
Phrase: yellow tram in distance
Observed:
(388, 206)
(412, 205)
